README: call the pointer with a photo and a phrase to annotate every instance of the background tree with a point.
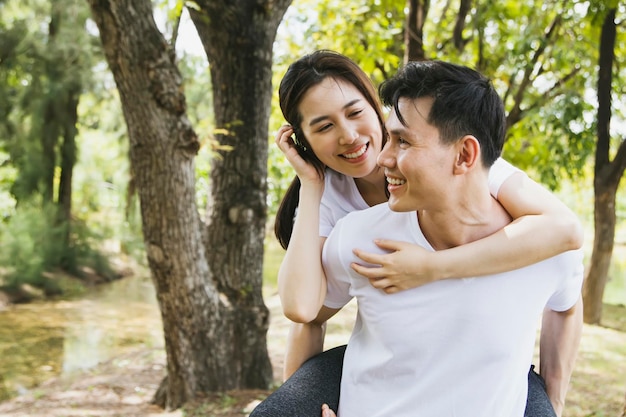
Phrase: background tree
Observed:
(58, 68)
(607, 173)
(45, 61)
(208, 281)
(414, 30)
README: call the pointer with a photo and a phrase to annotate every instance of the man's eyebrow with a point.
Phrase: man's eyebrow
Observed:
(397, 132)
(320, 118)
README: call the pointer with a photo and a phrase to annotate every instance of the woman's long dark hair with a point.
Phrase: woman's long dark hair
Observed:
(307, 72)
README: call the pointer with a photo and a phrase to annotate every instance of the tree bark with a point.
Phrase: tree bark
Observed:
(237, 37)
(597, 275)
(414, 30)
(607, 176)
(209, 290)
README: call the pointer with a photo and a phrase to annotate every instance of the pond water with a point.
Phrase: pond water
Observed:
(42, 340)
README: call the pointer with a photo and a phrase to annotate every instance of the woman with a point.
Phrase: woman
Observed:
(335, 135)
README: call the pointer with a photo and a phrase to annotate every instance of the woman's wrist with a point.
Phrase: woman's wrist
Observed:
(441, 266)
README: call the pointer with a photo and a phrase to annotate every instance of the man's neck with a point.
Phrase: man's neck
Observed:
(468, 215)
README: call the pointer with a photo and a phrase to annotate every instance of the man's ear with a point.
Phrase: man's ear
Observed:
(468, 155)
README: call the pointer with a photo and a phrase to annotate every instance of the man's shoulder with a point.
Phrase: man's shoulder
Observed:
(379, 220)
(378, 211)
(566, 268)
(570, 262)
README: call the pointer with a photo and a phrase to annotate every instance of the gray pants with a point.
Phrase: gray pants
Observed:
(318, 381)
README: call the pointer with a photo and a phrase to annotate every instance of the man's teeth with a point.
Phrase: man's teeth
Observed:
(356, 154)
(395, 181)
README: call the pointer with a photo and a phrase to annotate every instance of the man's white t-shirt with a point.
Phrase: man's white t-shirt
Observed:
(341, 195)
(452, 348)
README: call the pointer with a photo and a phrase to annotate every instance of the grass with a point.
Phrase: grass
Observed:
(272, 258)
(598, 386)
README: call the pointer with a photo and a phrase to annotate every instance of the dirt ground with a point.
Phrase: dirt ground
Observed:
(121, 387)
(125, 385)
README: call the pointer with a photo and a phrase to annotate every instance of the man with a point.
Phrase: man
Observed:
(452, 347)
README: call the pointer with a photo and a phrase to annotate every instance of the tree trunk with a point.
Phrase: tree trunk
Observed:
(210, 297)
(68, 160)
(607, 176)
(459, 26)
(597, 275)
(414, 30)
(238, 37)
(50, 128)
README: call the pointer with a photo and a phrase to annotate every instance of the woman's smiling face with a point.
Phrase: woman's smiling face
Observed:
(341, 127)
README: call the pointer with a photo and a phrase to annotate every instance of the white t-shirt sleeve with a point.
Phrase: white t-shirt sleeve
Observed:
(337, 277)
(567, 294)
(499, 172)
(340, 197)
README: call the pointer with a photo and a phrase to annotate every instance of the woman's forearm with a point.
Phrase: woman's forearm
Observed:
(543, 227)
(523, 197)
(301, 279)
(525, 241)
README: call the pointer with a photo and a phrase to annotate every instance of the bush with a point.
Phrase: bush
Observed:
(34, 243)
(28, 246)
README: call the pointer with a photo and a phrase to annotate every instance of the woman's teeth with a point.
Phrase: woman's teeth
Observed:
(356, 154)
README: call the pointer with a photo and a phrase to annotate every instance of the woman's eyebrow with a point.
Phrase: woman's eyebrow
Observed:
(320, 118)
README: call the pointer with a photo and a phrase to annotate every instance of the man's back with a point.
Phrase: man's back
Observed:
(450, 348)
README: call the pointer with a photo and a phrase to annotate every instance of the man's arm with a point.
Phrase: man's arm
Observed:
(560, 337)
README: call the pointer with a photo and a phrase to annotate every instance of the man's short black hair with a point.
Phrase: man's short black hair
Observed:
(465, 102)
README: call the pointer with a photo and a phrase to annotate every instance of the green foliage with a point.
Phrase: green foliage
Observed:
(83, 256)
(29, 245)
(199, 99)
(102, 194)
(554, 143)
(370, 32)
(541, 57)
(50, 61)
(30, 248)
(8, 174)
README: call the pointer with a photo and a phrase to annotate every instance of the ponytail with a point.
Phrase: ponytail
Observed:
(283, 224)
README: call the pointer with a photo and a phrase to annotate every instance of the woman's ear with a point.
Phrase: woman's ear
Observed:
(468, 154)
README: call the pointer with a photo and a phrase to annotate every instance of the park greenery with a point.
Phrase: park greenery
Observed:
(70, 195)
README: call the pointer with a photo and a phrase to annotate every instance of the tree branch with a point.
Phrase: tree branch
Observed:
(464, 9)
(516, 112)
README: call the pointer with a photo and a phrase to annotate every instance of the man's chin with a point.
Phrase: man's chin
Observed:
(399, 206)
